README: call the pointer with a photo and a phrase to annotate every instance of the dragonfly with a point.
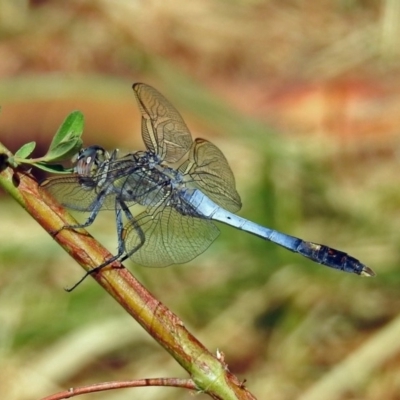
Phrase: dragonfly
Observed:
(183, 186)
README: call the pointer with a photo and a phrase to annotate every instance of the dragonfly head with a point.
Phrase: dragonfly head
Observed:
(89, 160)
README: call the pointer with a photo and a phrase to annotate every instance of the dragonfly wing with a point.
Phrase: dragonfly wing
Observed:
(209, 171)
(163, 130)
(170, 238)
(77, 193)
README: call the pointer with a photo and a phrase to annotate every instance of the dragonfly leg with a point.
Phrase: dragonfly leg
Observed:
(140, 232)
(112, 259)
(92, 271)
(120, 206)
(88, 222)
(138, 229)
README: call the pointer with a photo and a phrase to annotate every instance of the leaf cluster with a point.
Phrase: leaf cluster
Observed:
(66, 143)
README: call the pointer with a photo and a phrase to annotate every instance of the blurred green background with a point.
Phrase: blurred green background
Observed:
(303, 98)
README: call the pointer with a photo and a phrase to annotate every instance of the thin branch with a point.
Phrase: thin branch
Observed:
(208, 372)
(101, 387)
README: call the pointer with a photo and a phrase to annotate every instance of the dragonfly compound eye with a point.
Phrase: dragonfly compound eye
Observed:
(89, 160)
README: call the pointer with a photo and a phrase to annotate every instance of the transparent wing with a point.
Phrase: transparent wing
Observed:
(163, 130)
(71, 193)
(209, 171)
(171, 238)
(82, 192)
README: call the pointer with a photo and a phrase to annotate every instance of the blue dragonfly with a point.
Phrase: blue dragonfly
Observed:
(183, 186)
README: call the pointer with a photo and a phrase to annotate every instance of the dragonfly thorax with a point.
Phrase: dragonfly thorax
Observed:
(149, 182)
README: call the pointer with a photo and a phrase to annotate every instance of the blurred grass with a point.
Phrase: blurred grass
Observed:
(283, 322)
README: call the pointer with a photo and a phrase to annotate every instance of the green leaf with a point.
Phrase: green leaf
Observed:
(26, 150)
(72, 127)
(63, 151)
(67, 141)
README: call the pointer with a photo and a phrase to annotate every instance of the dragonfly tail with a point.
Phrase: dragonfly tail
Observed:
(333, 258)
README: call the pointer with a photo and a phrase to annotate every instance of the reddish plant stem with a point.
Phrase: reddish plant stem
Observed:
(101, 387)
